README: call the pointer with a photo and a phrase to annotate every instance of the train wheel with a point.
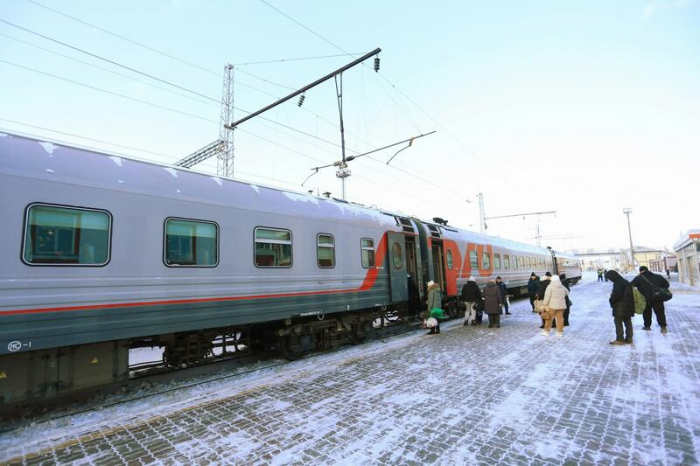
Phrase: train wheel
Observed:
(360, 331)
(293, 347)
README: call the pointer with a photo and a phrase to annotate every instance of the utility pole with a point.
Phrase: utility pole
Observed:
(482, 214)
(224, 160)
(627, 211)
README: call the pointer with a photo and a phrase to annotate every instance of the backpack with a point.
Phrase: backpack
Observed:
(640, 303)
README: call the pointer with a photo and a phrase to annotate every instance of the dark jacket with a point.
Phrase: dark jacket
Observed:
(471, 292)
(492, 299)
(542, 288)
(621, 298)
(533, 285)
(646, 288)
(503, 289)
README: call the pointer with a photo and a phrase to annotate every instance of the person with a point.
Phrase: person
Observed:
(413, 294)
(532, 285)
(622, 303)
(567, 285)
(541, 290)
(600, 275)
(434, 302)
(471, 294)
(604, 272)
(668, 273)
(493, 303)
(555, 301)
(504, 293)
(645, 283)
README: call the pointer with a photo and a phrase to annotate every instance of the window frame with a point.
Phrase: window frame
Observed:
(472, 264)
(178, 266)
(506, 261)
(291, 243)
(318, 245)
(65, 206)
(496, 261)
(374, 254)
(485, 254)
(393, 255)
(449, 260)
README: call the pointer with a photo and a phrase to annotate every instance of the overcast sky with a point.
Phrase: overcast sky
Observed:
(582, 108)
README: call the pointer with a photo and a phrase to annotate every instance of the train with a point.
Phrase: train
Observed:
(102, 253)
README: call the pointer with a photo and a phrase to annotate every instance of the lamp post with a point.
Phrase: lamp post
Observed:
(627, 211)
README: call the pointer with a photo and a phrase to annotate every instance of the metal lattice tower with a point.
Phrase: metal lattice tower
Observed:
(224, 160)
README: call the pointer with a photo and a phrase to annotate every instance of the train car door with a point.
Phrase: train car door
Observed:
(438, 264)
(398, 273)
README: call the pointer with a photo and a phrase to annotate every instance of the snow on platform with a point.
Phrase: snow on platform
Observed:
(471, 395)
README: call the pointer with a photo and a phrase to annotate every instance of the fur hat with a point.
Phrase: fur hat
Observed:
(533, 274)
(555, 279)
(548, 274)
(431, 283)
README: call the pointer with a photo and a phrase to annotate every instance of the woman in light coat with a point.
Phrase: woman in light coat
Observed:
(555, 302)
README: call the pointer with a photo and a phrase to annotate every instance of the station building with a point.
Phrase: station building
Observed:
(619, 259)
(688, 253)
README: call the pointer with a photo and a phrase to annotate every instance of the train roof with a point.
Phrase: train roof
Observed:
(56, 161)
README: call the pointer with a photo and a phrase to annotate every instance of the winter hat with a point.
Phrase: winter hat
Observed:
(431, 283)
(562, 276)
(555, 279)
(498, 278)
(643, 269)
(548, 274)
(533, 274)
(471, 279)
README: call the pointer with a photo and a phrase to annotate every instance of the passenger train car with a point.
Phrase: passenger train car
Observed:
(102, 253)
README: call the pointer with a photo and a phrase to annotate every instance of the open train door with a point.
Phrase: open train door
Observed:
(398, 273)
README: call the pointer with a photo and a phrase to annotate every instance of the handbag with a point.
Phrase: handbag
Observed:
(431, 322)
(546, 314)
(479, 305)
(539, 305)
(659, 293)
(568, 301)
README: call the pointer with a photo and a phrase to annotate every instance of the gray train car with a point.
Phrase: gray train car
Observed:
(101, 253)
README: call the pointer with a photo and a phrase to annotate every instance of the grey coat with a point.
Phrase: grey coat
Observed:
(492, 299)
(434, 299)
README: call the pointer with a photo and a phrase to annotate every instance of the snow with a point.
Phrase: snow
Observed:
(49, 148)
(117, 160)
(300, 198)
(3, 135)
(255, 188)
(217, 180)
(172, 171)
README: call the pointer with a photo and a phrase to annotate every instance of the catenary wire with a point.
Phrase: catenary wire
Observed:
(107, 60)
(107, 70)
(383, 77)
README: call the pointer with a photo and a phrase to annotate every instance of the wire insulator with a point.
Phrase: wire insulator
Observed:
(376, 64)
(301, 100)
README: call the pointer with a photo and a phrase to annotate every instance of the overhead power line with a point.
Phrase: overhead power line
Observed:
(133, 70)
(282, 60)
(126, 39)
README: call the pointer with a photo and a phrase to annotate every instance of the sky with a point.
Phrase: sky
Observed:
(583, 108)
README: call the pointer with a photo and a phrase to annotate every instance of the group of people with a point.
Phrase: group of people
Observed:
(549, 297)
(623, 304)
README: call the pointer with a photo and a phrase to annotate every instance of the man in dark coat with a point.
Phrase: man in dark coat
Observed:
(542, 288)
(532, 285)
(622, 303)
(645, 283)
(504, 292)
(493, 303)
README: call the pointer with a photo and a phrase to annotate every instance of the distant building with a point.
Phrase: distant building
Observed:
(688, 253)
(619, 259)
(662, 265)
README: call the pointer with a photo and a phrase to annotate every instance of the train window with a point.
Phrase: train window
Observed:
(191, 243)
(325, 250)
(497, 261)
(506, 261)
(66, 236)
(486, 260)
(527, 262)
(449, 259)
(367, 249)
(273, 247)
(473, 261)
(397, 255)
